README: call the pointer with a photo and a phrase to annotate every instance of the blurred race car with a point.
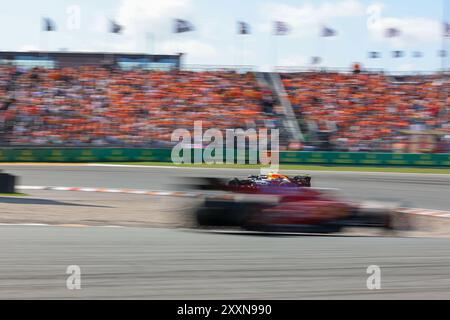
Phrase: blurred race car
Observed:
(276, 207)
(272, 179)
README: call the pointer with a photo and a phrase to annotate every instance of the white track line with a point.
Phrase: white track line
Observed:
(136, 166)
(413, 211)
(67, 225)
(109, 190)
(25, 224)
(212, 167)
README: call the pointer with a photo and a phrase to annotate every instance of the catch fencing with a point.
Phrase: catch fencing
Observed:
(86, 155)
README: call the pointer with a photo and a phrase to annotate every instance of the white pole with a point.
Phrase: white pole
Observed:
(243, 51)
(275, 51)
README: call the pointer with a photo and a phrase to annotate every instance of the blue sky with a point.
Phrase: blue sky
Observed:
(360, 25)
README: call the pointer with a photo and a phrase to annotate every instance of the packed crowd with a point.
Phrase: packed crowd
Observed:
(96, 106)
(99, 106)
(362, 112)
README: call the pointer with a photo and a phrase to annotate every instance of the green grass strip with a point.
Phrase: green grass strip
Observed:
(16, 194)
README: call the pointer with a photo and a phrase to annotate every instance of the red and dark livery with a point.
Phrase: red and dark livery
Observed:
(287, 207)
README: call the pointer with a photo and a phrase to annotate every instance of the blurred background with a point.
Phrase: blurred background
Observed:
(89, 89)
(344, 75)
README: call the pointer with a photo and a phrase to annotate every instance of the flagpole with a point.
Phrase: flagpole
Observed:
(389, 59)
(236, 50)
(177, 36)
(239, 50)
(322, 53)
(146, 43)
(105, 48)
(40, 40)
(317, 53)
(49, 43)
(377, 56)
(243, 51)
(239, 47)
(444, 54)
(445, 36)
(324, 50)
(46, 43)
(149, 40)
(275, 52)
(152, 43)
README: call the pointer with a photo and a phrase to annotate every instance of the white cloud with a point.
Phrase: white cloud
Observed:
(28, 47)
(100, 24)
(406, 67)
(141, 18)
(294, 61)
(412, 29)
(150, 15)
(305, 17)
(192, 47)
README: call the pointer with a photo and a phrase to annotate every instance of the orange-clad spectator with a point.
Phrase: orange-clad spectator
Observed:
(369, 110)
(93, 105)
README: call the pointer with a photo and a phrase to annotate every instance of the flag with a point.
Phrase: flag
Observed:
(328, 32)
(243, 28)
(392, 32)
(398, 54)
(417, 54)
(48, 25)
(281, 28)
(115, 27)
(182, 26)
(374, 55)
(316, 60)
(446, 30)
(442, 53)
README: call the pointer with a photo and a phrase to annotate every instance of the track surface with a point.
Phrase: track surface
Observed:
(175, 264)
(413, 190)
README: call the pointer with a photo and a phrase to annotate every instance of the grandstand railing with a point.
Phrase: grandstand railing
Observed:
(204, 68)
(278, 69)
(311, 69)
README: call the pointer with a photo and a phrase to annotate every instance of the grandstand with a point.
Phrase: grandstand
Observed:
(68, 99)
(371, 111)
(63, 59)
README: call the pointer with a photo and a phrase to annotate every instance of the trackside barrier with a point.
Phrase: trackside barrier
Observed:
(164, 155)
(365, 159)
(7, 183)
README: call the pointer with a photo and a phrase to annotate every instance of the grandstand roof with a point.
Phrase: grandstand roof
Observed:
(77, 59)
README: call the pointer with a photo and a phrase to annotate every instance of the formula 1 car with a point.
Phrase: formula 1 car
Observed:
(275, 208)
(272, 179)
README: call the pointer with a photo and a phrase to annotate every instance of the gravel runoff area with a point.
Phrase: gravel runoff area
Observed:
(127, 210)
(95, 209)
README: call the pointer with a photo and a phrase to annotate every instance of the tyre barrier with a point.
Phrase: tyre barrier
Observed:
(7, 183)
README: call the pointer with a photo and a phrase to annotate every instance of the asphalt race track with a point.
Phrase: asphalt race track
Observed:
(175, 264)
(146, 263)
(428, 191)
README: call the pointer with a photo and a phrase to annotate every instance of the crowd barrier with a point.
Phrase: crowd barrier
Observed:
(84, 155)
(164, 155)
(366, 159)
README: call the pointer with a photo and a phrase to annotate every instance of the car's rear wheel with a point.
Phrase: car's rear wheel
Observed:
(223, 214)
(302, 181)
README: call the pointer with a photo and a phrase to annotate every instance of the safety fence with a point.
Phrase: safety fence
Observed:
(65, 155)
(366, 159)
(84, 155)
